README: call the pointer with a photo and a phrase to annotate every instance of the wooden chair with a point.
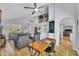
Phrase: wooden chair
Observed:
(50, 49)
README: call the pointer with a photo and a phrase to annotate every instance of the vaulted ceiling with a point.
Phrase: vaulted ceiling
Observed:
(16, 10)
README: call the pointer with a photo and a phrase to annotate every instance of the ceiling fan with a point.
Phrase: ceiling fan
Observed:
(36, 8)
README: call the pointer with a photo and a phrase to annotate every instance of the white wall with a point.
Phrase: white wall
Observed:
(44, 29)
(77, 29)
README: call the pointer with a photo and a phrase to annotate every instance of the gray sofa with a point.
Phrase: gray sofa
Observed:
(20, 39)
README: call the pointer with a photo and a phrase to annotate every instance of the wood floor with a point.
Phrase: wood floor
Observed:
(65, 49)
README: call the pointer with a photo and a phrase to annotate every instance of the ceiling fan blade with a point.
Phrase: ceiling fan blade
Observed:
(35, 5)
(29, 7)
(43, 6)
(33, 12)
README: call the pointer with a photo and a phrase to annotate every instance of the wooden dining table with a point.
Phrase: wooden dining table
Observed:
(40, 46)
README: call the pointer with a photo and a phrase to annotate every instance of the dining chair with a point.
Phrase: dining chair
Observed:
(36, 37)
(50, 49)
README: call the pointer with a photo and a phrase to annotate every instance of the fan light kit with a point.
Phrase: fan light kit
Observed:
(36, 9)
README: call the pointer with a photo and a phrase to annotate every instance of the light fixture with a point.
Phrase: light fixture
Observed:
(36, 9)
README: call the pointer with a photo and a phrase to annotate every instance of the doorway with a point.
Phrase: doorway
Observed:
(67, 28)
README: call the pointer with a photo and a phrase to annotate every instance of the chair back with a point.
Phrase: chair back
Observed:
(50, 48)
(37, 36)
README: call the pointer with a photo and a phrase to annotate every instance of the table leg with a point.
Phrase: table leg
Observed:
(41, 54)
(30, 51)
(35, 53)
(38, 54)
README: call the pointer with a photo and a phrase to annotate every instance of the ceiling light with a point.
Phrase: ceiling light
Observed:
(36, 9)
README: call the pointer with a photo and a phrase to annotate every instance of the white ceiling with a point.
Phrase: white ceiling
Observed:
(15, 10)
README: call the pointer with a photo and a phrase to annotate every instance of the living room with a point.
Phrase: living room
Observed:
(23, 24)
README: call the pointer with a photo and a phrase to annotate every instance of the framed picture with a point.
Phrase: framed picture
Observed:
(43, 18)
(51, 26)
(40, 18)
